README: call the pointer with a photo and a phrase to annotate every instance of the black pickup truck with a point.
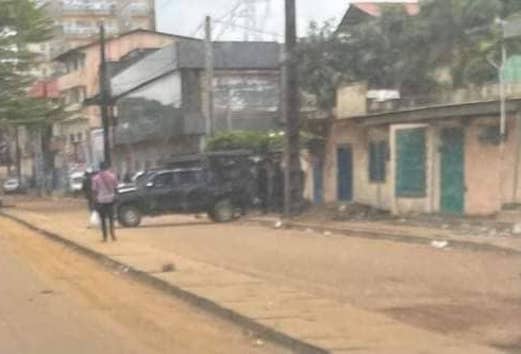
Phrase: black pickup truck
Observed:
(185, 190)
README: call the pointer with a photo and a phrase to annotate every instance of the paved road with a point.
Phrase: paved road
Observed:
(53, 301)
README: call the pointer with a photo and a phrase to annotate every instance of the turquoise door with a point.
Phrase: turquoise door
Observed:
(452, 171)
(345, 173)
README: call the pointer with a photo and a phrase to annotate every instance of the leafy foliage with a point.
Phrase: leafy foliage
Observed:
(407, 53)
(21, 23)
(257, 142)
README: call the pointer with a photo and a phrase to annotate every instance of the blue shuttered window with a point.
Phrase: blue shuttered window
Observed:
(377, 158)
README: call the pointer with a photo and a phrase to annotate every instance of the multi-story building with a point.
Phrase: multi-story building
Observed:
(162, 100)
(77, 21)
(81, 81)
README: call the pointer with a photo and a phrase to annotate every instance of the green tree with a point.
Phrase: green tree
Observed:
(408, 53)
(383, 51)
(323, 63)
(22, 23)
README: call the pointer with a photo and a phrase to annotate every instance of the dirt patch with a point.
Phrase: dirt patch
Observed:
(445, 319)
(160, 322)
(510, 348)
(465, 321)
(353, 212)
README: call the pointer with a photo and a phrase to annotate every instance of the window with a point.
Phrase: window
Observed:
(187, 177)
(410, 169)
(163, 180)
(378, 153)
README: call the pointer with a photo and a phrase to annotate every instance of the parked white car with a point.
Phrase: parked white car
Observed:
(76, 182)
(13, 185)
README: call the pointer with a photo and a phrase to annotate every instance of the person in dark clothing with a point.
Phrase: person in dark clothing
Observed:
(87, 189)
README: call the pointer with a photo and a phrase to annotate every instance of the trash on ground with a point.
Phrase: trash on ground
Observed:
(169, 267)
(259, 342)
(278, 224)
(439, 244)
(516, 230)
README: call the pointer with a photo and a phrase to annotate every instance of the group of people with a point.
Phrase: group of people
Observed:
(100, 190)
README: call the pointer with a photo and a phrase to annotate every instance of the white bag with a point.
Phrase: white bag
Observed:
(94, 219)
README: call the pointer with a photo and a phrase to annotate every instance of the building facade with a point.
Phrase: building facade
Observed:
(77, 21)
(440, 158)
(79, 132)
(162, 112)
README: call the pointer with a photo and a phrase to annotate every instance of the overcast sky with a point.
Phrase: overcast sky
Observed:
(184, 17)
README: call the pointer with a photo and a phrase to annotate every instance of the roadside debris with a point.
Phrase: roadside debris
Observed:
(278, 224)
(168, 267)
(259, 342)
(439, 244)
(328, 233)
(516, 230)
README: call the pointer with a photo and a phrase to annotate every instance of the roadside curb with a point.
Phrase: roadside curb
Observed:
(206, 304)
(377, 235)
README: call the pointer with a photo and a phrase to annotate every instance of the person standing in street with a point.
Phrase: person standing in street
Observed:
(87, 192)
(104, 188)
(87, 189)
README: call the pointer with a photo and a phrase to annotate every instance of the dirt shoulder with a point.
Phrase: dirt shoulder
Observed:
(157, 322)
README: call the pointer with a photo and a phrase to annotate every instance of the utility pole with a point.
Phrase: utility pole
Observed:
(104, 90)
(153, 21)
(292, 176)
(209, 126)
(502, 93)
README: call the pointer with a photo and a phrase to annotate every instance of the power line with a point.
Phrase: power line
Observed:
(244, 15)
(251, 29)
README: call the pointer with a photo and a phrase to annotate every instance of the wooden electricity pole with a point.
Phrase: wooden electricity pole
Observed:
(293, 179)
(104, 90)
(209, 126)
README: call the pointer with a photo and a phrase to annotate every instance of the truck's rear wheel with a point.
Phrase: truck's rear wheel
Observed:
(129, 216)
(222, 211)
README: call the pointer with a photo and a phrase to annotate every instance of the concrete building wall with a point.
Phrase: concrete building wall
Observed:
(489, 181)
(88, 75)
(244, 99)
(482, 173)
(376, 194)
(351, 100)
